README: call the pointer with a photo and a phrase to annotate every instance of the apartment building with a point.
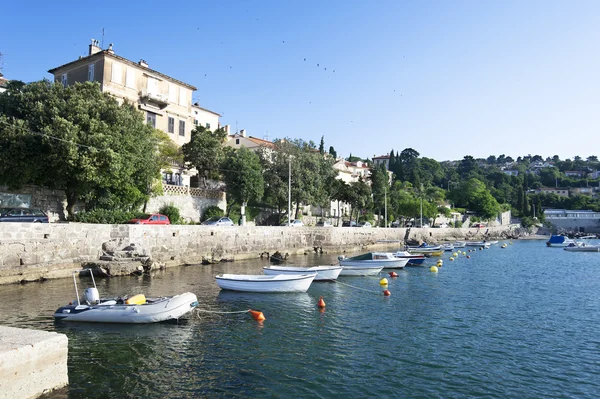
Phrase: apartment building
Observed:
(165, 101)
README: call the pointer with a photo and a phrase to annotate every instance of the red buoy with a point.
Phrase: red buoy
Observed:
(393, 274)
(256, 315)
(387, 293)
(321, 303)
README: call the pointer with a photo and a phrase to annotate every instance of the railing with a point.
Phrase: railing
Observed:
(192, 191)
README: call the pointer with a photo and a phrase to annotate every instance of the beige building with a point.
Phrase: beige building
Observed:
(165, 101)
(241, 139)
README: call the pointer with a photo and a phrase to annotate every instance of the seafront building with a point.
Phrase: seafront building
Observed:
(166, 102)
(583, 221)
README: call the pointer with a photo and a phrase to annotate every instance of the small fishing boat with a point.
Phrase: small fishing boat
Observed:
(479, 244)
(413, 259)
(459, 244)
(428, 252)
(386, 260)
(324, 273)
(136, 309)
(364, 270)
(559, 241)
(582, 247)
(267, 284)
(278, 257)
(447, 247)
(494, 242)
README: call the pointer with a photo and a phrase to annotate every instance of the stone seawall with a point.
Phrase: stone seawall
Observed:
(33, 251)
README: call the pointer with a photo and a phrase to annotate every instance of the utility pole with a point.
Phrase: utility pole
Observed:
(385, 204)
(289, 190)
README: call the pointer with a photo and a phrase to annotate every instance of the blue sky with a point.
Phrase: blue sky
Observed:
(447, 78)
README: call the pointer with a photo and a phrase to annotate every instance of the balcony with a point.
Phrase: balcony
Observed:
(157, 99)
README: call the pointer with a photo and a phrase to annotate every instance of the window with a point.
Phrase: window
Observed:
(208, 125)
(116, 73)
(182, 97)
(196, 122)
(182, 128)
(130, 78)
(237, 141)
(171, 128)
(64, 80)
(151, 119)
(172, 93)
(91, 72)
(152, 85)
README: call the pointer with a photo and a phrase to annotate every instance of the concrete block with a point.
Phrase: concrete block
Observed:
(32, 363)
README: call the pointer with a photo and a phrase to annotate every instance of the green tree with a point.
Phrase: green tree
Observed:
(82, 141)
(243, 177)
(332, 152)
(205, 152)
(322, 145)
(379, 187)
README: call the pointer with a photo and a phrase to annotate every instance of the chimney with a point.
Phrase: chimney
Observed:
(243, 132)
(95, 47)
(110, 49)
(226, 129)
(143, 63)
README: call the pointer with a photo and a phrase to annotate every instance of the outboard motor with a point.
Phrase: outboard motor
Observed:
(340, 257)
(92, 296)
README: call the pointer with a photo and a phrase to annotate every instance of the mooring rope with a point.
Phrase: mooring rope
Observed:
(221, 312)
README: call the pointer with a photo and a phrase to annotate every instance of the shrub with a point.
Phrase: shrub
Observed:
(457, 224)
(172, 212)
(104, 216)
(212, 211)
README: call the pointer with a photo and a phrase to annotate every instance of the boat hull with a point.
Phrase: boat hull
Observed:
(360, 270)
(266, 284)
(324, 273)
(586, 248)
(163, 309)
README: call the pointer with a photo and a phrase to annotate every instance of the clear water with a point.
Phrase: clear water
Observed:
(518, 322)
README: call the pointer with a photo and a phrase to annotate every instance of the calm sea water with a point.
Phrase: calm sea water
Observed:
(519, 322)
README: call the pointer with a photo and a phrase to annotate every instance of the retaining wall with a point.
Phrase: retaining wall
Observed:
(34, 251)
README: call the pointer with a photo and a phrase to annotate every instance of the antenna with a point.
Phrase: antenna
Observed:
(266, 137)
(236, 127)
(102, 46)
(1, 64)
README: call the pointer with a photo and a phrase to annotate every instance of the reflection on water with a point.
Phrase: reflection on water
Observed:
(515, 322)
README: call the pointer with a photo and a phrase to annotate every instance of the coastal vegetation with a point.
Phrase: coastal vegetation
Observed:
(106, 159)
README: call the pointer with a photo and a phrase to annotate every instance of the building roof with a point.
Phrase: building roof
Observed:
(109, 53)
(254, 140)
(204, 109)
(382, 157)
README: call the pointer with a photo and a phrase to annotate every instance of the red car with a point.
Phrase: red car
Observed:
(153, 218)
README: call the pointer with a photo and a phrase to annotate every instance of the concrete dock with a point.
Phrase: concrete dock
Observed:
(32, 362)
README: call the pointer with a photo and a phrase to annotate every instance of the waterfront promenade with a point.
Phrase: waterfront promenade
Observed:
(37, 251)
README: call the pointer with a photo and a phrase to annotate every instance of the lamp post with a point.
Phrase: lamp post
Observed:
(385, 205)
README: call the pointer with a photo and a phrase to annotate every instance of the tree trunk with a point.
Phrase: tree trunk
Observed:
(71, 201)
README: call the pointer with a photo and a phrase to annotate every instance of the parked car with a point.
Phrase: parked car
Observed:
(151, 218)
(218, 221)
(324, 223)
(23, 215)
(364, 224)
(478, 225)
(294, 223)
(349, 223)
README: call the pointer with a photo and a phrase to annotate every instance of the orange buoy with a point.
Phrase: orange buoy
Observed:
(256, 315)
(387, 293)
(321, 303)
(393, 274)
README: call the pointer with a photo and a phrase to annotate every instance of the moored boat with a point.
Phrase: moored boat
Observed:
(324, 273)
(582, 247)
(559, 241)
(447, 247)
(428, 252)
(459, 244)
(413, 259)
(386, 260)
(134, 310)
(364, 270)
(479, 244)
(268, 284)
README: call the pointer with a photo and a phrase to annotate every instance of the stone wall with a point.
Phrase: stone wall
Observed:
(33, 251)
(575, 224)
(191, 204)
(53, 202)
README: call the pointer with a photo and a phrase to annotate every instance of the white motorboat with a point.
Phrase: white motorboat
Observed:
(387, 260)
(459, 244)
(268, 284)
(134, 310)
(447, 247)
(479, 244)
(559, 241)
(364, 270)
(582, 247)
(324, 273)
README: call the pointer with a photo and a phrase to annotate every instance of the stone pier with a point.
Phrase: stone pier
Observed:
(32, 363)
